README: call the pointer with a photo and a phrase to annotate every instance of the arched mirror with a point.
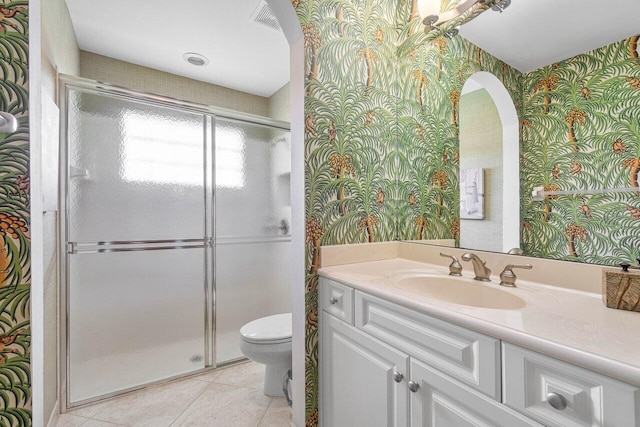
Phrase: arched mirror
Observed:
(489, 166)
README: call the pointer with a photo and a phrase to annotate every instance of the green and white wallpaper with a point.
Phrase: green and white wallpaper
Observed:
(381, 141)
(580, 129)
(15, 275)
(350, 128)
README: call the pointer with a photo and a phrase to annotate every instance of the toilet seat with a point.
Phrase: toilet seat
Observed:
(268, 330)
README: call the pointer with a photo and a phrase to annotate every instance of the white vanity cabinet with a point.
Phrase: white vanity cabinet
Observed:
(384, 365)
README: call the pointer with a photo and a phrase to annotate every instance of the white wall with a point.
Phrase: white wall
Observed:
(59, 52)
(510, 155)
(481, 147)
(290, 24)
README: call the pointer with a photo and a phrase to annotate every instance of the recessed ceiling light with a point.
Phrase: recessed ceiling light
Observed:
(195, 59)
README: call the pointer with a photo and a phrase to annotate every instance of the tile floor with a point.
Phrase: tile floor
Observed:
(229, 397)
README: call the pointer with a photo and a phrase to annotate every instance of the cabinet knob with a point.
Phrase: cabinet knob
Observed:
(398, 377)
(557, 401)
(413, 386)
(333, 300)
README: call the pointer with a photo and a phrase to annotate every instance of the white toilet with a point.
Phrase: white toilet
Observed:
(268, 341)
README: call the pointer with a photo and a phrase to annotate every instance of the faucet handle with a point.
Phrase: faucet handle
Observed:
(508, 277)
(455, 269)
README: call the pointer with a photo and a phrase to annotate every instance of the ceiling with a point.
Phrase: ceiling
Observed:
(534, 33)
(244, 55)
(253, 58)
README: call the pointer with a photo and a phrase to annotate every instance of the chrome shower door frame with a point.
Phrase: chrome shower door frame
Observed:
(67, 83)
(68, 248)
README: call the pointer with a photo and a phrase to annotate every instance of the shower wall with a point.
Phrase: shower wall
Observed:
(144, 79)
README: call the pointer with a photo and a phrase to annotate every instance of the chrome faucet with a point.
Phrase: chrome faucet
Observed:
(479, 267)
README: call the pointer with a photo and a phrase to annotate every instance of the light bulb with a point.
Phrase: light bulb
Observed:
(429, 8)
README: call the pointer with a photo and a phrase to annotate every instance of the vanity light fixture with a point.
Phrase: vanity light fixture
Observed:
(195, 59)
(433, 18)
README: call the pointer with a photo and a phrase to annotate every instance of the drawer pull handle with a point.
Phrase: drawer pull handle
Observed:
(333, 300)
(557, 401)
(398, 377)
(414, 387)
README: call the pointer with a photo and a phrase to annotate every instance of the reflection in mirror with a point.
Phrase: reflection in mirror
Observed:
(579, 142)
(489, 213)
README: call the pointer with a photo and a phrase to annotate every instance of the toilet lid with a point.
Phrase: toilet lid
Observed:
(270, 329)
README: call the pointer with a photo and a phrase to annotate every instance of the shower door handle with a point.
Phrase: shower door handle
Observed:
(158, 245)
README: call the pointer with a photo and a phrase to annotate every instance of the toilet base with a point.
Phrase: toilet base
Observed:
(274, 378)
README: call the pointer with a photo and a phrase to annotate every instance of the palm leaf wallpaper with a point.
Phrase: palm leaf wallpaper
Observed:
(15, 276)
(350, 70)
(581, 130)
(381, 141)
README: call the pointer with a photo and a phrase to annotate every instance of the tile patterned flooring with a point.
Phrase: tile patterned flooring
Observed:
(229, 397)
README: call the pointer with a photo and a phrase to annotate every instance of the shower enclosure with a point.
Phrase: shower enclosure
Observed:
(174, 231)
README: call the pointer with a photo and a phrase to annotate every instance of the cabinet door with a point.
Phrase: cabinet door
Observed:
(358, 388)
(443, 402)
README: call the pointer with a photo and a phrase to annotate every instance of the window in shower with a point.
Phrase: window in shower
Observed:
(161, 150)
(157, 150)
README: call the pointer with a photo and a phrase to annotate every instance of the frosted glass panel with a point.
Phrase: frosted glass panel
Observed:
(137, 171)
(253, 212)
(134, 318)
(252, 281)
(253, 165)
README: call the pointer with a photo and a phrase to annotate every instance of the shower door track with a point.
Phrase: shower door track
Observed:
(66, 248)
(93, 86)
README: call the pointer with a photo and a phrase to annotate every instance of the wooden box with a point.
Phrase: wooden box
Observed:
(620, 289)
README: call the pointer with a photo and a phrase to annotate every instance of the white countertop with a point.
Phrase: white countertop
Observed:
(570, 325)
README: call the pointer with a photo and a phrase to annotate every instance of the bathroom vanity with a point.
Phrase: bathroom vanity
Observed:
(402, 343)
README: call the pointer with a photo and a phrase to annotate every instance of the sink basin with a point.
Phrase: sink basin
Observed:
(461, 291)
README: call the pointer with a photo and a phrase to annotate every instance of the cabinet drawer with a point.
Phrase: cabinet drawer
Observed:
(336, 299)
(587, 398)
(465, 355)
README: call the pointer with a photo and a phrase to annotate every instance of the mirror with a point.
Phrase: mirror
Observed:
(489, 166)
(577, 127)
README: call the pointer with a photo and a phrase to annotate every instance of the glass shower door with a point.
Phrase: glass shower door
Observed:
(138, 243)
(253, 213)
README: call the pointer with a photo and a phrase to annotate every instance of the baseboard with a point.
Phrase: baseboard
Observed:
(53, 419)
